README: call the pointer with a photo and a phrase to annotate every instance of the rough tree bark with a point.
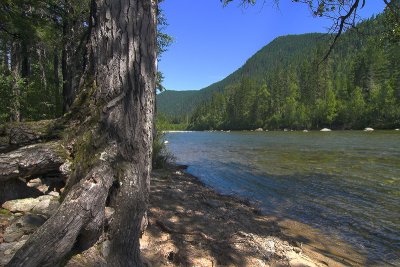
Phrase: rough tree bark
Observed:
(112, 161)
(74, 39)
(5, 59)
(56, 78)
(66, 59)
(31, 160)
(42, 57)
(16, 72)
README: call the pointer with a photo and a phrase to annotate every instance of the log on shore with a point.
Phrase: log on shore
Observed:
(14, 135)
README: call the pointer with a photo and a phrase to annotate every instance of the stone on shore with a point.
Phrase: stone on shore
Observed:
(21, 205)
(45, 205)
(7, 250)
(259, 130)
(368, 129)
(326, 130)
(25, 225)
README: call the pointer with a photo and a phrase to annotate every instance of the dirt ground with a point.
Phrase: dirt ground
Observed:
(192, 225)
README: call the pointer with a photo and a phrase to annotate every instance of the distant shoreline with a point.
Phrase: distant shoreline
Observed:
(265, 131)
(174, 131)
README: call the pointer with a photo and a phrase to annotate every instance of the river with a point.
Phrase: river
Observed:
(345, 183)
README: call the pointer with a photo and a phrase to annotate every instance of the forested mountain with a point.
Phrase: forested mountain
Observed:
(357, 86)
(285, 49)
(178, 103)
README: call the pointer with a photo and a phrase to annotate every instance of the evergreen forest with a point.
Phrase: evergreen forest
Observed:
(289, 84)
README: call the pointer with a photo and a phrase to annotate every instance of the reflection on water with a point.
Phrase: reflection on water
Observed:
(345, 183)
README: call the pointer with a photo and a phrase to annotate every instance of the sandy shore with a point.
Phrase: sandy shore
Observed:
(192, 225)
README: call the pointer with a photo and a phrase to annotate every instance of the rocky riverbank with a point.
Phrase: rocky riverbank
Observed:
(191, 225)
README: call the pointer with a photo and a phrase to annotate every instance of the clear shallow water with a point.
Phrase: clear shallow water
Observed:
(346, 183)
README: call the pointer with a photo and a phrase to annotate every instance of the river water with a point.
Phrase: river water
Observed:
(346, 183)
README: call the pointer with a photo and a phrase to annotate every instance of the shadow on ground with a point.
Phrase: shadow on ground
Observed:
(191, 225)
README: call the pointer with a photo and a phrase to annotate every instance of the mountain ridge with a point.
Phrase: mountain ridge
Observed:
(292, 47)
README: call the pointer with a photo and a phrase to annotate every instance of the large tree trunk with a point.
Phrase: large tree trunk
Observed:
(56, 81)
(74, 38)
(42, 58)
(16, 59)
(66, 60)
(5, 59)
(113, 146)
(125, 62)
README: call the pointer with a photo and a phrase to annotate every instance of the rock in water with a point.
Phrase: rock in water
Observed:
(326, 130)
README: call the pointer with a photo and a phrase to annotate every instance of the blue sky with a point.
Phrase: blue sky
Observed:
(212, 41)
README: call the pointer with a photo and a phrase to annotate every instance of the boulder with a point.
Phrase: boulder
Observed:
(368, 129)
(21, 205)
(34, 182)
(305, 131)
(47, 206)
(25, 225)
(259, 130)
(54, 194)
(326, 130)
(44, 205)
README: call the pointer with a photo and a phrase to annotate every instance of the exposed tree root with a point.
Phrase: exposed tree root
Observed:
(82, 207)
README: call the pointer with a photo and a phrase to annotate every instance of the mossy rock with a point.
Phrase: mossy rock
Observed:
(5, 212)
